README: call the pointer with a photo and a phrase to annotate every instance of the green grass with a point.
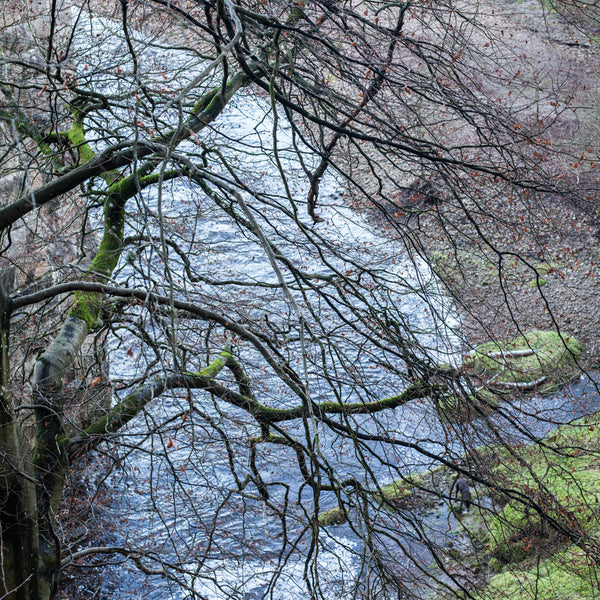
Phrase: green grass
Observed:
(562, 476)
(568, 575)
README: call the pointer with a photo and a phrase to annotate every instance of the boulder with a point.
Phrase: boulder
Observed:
(538, 360)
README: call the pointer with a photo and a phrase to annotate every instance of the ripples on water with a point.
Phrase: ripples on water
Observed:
(175, 496)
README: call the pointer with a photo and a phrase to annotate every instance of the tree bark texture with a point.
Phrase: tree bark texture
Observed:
(18, 525)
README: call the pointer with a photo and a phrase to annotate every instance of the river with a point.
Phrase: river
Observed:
(176, 490)
(173, 501)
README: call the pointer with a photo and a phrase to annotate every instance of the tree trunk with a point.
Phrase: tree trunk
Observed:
(18, 523)
(50, 454)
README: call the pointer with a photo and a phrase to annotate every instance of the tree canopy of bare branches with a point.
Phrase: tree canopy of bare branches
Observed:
(213, 227)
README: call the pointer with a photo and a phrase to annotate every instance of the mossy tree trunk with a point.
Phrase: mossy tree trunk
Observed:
(50, 458)
(31, 486)
(18, 523)
(51, 450)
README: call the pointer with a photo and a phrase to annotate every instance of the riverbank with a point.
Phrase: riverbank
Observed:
(529, 266)
(544, 280)
(541, 544)
(535, 527)
(547, 278)
(506, 279)
(514, 259)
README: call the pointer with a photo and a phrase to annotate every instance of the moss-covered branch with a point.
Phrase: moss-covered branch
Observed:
(206, 110)
(135, 402)
(412, 392)
(266, 414)
(76, 135)
(87, 305)
(240, 376)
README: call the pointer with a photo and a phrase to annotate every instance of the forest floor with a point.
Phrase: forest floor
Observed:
(514, 264)
(546, 280)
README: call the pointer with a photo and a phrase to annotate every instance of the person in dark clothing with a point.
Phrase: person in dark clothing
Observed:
(463, 493)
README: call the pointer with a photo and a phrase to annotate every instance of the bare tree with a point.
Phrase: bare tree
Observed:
(187, 291)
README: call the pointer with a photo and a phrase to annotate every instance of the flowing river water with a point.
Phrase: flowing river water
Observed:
(173, 495)
(153, 486)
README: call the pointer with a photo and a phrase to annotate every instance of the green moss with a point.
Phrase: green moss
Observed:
(569, 575)
(461, 267)
(531, 557)
(438, 259)
(517, 532)
(118, 416)
(216, 366)
(86, 307)
(400, 489)
(212, 102)
(335, 516)
(135, 402)
(554, 357)
(121, 190)
(537, 283)
(569, 493)
(76, 136)
(111, 245)
(403, 489)
(414, 391)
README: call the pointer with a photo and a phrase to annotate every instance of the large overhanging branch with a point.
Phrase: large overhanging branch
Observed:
(147, 296)
(191, 308)
(204, 380)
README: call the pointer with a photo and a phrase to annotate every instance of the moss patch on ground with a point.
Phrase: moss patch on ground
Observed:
(560, 477)
(400, 491)
(527, 359)
(538, 361)
(568, 575)
(548, 555)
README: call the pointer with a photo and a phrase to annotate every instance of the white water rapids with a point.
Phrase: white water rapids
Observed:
(175, 496)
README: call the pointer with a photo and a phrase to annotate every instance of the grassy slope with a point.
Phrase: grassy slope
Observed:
(531, 559)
